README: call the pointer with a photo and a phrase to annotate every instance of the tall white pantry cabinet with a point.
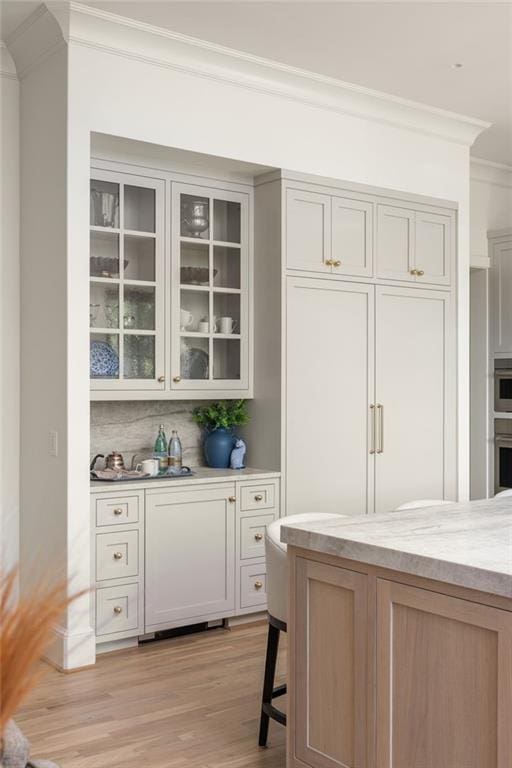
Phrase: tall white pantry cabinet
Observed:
(355, 356)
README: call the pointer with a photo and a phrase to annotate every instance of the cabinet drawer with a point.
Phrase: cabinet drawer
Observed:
(252, 535)
(115, 511)
(117, 555)
(253, 587)
(257, 496)
(117, 609)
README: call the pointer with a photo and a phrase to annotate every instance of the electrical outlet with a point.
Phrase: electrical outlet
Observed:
(53, 443)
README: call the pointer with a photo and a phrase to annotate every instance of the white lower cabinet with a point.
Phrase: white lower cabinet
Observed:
(190, 538)
(166, 557)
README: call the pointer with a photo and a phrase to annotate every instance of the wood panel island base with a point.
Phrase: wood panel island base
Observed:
(400, 639)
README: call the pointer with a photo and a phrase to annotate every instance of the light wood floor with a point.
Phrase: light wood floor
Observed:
(188, 702)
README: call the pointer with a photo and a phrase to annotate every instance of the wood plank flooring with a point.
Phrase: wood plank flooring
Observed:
(187, 702)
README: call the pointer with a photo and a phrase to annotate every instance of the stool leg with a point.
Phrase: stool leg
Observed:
(268, 682)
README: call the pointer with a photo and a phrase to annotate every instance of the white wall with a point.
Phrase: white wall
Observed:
(490, 209)
(10, 309)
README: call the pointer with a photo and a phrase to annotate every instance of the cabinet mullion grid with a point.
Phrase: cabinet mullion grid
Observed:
(121, 280)
(211, 324)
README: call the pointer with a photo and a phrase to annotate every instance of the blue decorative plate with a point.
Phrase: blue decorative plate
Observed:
(104, 361)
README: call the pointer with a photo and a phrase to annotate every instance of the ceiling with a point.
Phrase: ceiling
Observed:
(404, 48)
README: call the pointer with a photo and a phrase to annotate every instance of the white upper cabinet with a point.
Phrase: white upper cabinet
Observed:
(414, 245)
(126, 298)
(501, 289)
(210, 289)
(395, 242)
(433, 241)
(351, 230)
(308, 236)
(169, 288)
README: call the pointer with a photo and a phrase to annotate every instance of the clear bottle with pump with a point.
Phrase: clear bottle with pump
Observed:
(160, 451)
(175, 452)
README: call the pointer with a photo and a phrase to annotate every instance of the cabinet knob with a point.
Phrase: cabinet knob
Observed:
(329, 263)
(118, 511)
(118, 555)
(258, 536)
(336, 263)
(232, 499)
(176, 379)
(258, 497)
(420, 272)
(413, 271)
(258, 584)
(161, 379)
(118, 609)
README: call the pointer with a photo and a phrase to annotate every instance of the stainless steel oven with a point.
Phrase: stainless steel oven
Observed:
(503, 387)
(502, 454)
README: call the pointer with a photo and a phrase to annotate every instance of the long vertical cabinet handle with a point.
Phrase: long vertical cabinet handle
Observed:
(380, 411)
(372, 417)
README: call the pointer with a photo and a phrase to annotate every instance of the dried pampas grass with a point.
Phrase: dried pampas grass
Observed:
(25, 631)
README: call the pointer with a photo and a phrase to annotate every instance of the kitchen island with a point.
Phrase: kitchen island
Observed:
(400, 638)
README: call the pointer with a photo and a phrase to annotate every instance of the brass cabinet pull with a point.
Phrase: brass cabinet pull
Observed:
(258, 497)
(232, 499)
(420, 272)
(118, 609)
(161, 379)
(372, 417)
(329, 262)
(258, 536)
(118, 555)
(336, 263)
(380, 411)
(413, 271)
(258, 584)
(177, 379)
(118, 511)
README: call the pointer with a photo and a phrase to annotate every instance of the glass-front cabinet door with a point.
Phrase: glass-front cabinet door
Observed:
(126, 309)
(209, 285)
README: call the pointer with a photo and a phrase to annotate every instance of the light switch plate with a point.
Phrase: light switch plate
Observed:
(53, 443)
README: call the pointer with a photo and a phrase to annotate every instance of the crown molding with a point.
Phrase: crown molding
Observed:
(36, 38)
(7, 65)
(488, 172)
(118, 35)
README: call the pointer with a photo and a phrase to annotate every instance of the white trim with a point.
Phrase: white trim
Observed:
(487, 172)
(7, 65)
(478, 261)
(504, 233)
(118, 35)
(71, 650)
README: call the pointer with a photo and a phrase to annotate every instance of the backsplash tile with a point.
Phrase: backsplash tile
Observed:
(131, 427)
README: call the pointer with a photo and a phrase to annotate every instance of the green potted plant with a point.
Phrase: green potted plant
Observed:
(218, 421)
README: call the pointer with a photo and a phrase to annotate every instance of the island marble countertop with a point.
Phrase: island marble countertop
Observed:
(467, 544)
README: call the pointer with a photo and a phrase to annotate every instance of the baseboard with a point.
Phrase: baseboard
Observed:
(248, 618)
(117, 645)
(71, 650)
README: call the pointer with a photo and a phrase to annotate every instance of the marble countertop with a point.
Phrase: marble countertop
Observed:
(467, 544)
(201, 475)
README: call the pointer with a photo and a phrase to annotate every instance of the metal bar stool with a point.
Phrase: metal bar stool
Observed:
(277, 598)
